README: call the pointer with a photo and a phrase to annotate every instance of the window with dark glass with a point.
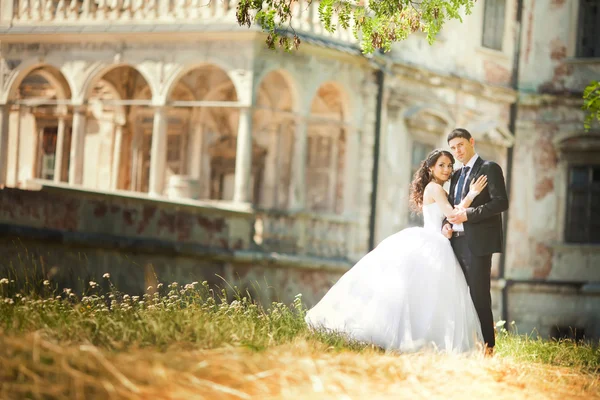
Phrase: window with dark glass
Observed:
(493, 24)
(420, 151)
(583, 205)
(588, 38)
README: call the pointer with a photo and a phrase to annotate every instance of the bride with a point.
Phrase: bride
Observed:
(409, 292)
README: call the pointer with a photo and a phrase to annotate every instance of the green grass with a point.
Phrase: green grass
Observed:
(196, 316)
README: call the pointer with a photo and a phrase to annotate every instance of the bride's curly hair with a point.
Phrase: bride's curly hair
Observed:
(423, 176)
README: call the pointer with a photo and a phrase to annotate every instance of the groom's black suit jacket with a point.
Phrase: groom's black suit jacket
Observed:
(483, 228)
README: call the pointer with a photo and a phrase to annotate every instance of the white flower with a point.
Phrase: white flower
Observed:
(149, 288)
(159, 285)
(9, 301)
(46, 282)
(3, 281)
(135, 298)
(67, 290)
(93, 284)
(106, 276)
(141, 303)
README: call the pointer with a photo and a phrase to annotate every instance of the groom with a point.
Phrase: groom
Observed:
(476, 232)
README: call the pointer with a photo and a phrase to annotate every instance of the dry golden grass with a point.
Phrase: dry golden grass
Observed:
(35, 367)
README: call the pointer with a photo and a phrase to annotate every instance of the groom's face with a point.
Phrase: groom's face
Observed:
(462, 149)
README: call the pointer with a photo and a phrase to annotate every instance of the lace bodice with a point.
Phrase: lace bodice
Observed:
(432, 217)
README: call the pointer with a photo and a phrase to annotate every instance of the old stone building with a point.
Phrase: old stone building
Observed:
(160, 140)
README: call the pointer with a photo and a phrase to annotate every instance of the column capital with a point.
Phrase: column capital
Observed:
(79, 108)
(301, 117)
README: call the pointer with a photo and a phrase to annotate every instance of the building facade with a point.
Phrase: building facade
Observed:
(158, 140)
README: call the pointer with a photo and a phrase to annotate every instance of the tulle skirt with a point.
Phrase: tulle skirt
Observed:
(407, 294)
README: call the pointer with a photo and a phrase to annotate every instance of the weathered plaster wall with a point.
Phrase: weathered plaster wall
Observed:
(458, 49)
(71, 237)
(548, 49)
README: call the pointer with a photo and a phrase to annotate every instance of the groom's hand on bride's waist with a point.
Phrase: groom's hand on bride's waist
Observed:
(447, 230)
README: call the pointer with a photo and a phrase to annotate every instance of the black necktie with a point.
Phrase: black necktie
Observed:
(461, 182)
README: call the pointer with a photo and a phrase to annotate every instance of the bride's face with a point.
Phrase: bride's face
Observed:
(442, 168)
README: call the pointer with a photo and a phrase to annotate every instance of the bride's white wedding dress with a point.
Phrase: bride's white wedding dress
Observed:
(406, 294)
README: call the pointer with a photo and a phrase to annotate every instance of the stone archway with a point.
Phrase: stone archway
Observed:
(274, 130)
(118, 132)
(39, 127)
(327, 145)
(202, 129)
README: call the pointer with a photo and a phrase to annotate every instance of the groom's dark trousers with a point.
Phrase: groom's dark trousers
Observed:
(481, 238)
(477, 270)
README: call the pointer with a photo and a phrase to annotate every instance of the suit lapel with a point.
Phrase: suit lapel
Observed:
(474, 172)
(453, 182)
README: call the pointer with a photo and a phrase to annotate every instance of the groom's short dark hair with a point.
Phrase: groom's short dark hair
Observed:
(459, 133)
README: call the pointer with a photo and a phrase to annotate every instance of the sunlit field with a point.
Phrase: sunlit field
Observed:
(187, 341)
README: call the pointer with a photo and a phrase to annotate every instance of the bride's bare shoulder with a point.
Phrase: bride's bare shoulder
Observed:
(434, 187)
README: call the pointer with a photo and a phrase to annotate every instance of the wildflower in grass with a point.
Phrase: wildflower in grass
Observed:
(159, 285)
(149, 288)
(106, 276)
(3, 281)
(93, 284)
(46, 282)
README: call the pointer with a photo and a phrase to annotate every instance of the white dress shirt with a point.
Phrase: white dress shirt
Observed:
(460, 227)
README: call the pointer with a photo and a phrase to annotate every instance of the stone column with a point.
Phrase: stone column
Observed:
(20, 110)
(4, 116)
(6, 13)
(243, 158)
(116, 158)
(298, 181)
(60, 144)
(158, 152)
(136, 141)
(77, 146)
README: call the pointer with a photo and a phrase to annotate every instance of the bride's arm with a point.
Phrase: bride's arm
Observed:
(440, 196)
(474, 189)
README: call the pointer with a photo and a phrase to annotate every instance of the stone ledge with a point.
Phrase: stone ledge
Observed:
(548, 100)
(219, 206)
(582, 60)
(531, 286)
(163, 247)
(430, 78)
(576, 247)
